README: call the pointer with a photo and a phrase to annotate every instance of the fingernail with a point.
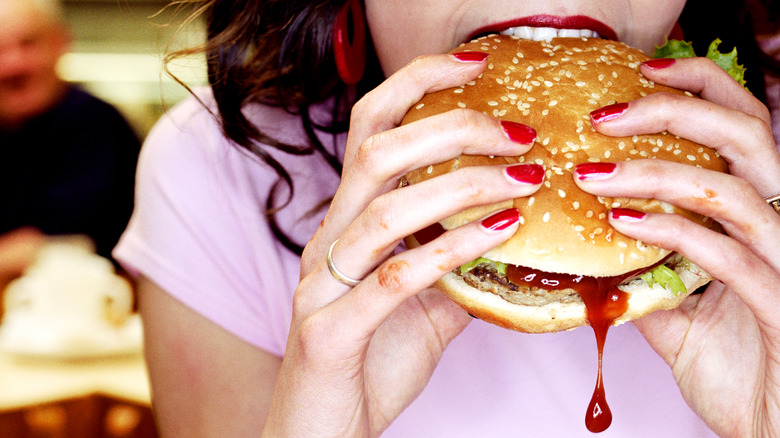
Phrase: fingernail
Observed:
(594, 171)
(626, 215)
(470, 56)
(658, 63)
(525, 173)
(501, 220)
(518, 132)
(608, 113)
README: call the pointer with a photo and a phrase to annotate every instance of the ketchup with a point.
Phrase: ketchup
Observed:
(604, 303)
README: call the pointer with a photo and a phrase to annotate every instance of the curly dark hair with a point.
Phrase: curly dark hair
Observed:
(279, 53)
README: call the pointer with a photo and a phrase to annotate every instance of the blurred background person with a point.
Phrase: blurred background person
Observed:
(67, 158)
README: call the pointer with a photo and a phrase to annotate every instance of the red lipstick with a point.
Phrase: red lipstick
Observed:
(570, 22)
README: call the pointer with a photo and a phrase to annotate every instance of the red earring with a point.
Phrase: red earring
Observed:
(676, 33)
(349, 42)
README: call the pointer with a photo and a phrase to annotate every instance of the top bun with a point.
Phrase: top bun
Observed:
(553, 87)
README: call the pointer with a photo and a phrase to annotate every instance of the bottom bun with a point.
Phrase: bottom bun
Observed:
(558, 316)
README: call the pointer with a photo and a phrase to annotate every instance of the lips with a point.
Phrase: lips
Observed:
(546, 27)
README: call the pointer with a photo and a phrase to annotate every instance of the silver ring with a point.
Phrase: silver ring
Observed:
(334, 271)
(774, 201)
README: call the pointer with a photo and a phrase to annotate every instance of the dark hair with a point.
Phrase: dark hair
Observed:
(279, 53)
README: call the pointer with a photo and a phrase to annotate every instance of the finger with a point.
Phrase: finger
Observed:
(745, 141)
(384, 107)
(404, 211)
(369, 304)
(385, 157)
(755, 281)
(389, 218)
(729, 200)
(705, 78)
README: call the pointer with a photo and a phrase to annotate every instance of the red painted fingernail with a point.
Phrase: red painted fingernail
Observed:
(501, 220)
(626, 215)
(470, 56)
(519, 133)
(608, 113)
(658, 63)
(526, 173)
(594, 171)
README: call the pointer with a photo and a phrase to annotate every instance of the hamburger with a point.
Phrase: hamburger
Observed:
(565, 256)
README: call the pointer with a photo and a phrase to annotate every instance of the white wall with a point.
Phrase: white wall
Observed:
(117, 54)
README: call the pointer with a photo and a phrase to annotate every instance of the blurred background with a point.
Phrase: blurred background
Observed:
(117, 54)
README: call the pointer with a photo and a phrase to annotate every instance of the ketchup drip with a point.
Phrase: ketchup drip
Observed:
(604, 303)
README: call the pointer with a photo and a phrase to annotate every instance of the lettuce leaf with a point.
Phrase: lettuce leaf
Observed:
(675, 49)
(684, 49)
(665, 277)
(500, 267)
(727, 61)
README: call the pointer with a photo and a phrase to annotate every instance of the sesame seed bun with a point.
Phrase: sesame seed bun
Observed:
(553, 87)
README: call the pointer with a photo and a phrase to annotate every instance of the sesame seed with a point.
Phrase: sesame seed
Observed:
(420, 106)
(546, 217)
(561, 193)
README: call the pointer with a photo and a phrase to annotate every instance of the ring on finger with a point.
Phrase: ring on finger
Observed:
(336, 273)
(774, 201)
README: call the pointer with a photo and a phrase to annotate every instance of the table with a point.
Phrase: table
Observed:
(90, 398)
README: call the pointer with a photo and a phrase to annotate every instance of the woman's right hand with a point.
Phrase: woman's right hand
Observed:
(357, 356)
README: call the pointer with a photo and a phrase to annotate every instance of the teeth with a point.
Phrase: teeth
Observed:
(547, 33)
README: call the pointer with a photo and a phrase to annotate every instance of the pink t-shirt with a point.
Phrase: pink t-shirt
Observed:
(200, 232)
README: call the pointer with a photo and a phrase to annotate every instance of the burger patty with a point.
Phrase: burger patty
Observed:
(487, 278)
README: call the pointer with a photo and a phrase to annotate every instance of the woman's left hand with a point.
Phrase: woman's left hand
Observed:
(724, 345)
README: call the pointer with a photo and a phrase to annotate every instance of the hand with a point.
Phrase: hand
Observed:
(723, 346)
(356, 357)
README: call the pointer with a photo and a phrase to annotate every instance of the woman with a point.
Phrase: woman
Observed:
(233, 352)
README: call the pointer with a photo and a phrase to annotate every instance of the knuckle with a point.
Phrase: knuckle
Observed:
(465, 119)
(312, 338)
(379, 214)
(470, 189)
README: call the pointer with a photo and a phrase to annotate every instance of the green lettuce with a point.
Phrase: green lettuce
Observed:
(665, 277)
(500, 267)
(684, 49)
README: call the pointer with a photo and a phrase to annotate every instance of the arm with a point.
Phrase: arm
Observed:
(205, 381)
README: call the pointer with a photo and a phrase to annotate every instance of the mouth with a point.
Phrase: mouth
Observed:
(547, 27)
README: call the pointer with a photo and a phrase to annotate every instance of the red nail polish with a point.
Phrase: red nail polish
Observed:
(518, 132)
(526, 173)
(594, 171)
(626, 215)
(470, 56)
(658, 63)
(501, 220)
(609, 112)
